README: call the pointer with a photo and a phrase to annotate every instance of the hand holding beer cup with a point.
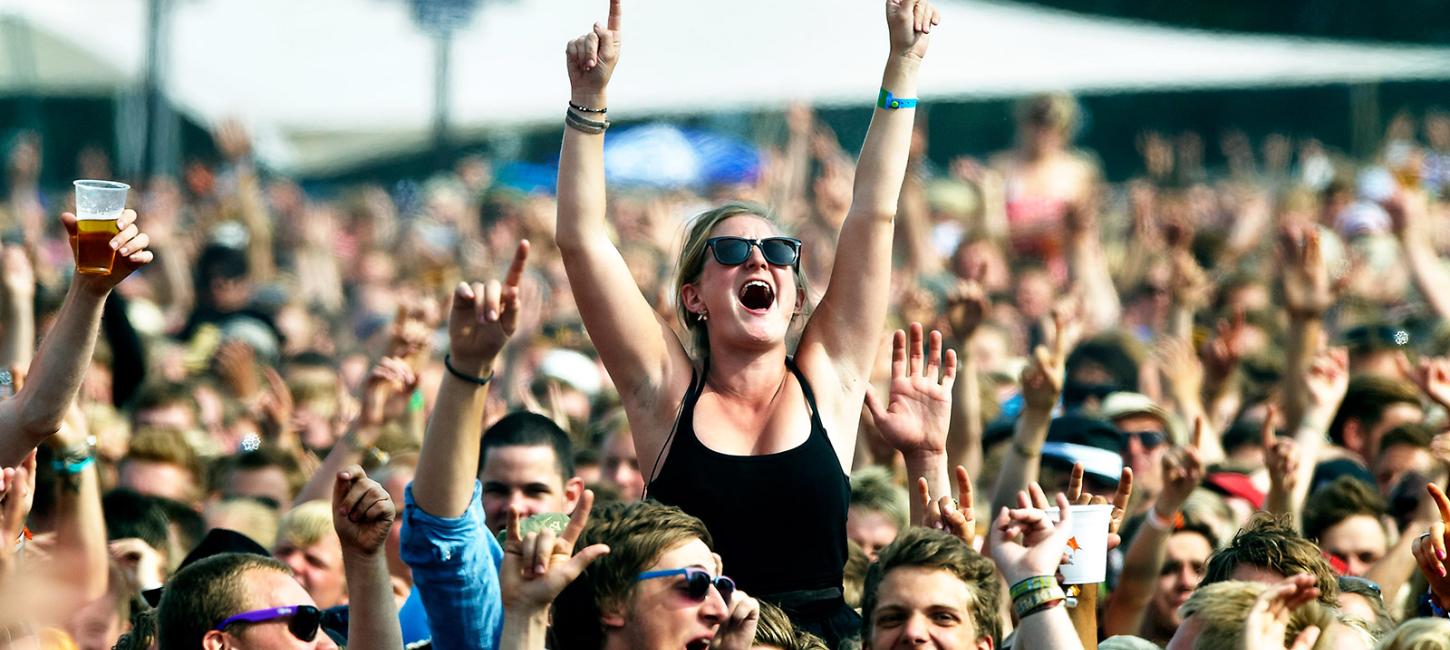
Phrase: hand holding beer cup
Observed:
(107, 244)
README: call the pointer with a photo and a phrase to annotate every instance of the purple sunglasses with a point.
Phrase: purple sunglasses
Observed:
(303, 620)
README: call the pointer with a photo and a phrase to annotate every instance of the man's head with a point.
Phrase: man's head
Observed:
(526, 461)
(1184, 563)
(620, 466)
(930, 587)
(1268, 551)
(1345, 517)
(1403, 450)
(210, 591)
(776, 632)
(161, 463)
(1213, 618)
(267, 475)
(878, 510)
(1097, 367)
(609, 607)
(165, 405)
(1147, 434)
(1371, 407)
(308, 545)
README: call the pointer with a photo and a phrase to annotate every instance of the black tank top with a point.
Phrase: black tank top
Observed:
(778, 520)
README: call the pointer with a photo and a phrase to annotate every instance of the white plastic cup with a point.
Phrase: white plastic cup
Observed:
(98, 207)
(1087, 547)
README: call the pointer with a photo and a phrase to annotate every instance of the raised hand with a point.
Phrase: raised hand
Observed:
(591, 59)
(538, 566)
(232, 140)
(1431, 375)
(130, 245)
(1222, 353)
(1043, 377)
(1121, 499)
(16, 485)
(1430, 550)
(919, 409)
(1308, 291)
(362, 512)
(392, 376)
(484, 316)
(1182, 472)
(1039, 550)
(968, 305)
(1281, 457)
(1268, 619)
(738, 630)
(956, 516)
(910, 23)
(1328, 381)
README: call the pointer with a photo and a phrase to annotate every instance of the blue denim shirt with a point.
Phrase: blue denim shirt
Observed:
(455, 568)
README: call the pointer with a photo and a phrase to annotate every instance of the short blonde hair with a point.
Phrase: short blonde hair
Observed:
(245, 516)
(874, 488)
(305, 525)
(776, 630)
(1222, 608)
(1419, 634)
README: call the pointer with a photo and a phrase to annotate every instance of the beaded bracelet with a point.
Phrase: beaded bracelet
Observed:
(586, 109)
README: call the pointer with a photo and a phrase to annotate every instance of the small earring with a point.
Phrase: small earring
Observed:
(704, 315)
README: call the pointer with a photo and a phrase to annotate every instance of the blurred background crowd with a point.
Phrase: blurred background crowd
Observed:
(286, 312)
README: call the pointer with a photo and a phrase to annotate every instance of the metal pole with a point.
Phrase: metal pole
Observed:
(442, 48)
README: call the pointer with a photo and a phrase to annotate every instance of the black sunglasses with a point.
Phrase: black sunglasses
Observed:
(1149, 439)
(732, 251)
(303, 621)
(697, 582)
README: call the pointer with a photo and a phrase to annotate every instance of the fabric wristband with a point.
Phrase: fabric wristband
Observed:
(1032, 584)
(1030, 601)
(68, 467)
(1165, 525)
(890, 102)
(481, 381)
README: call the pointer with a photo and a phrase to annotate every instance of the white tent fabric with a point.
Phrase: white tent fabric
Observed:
(325, 83)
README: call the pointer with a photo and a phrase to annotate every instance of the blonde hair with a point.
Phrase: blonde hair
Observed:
(1222, 608)
(875, 488)
(691, 264)
(1419, 634)
(776, 630)
(245, 516)
(305, 525)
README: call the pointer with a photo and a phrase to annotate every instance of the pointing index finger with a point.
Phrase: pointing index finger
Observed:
(1441, 501)
(516, 269)
(614, 13)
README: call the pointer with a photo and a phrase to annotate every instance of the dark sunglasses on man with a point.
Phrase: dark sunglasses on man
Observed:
(733, 251)
(697, 582)
(1148, 439)
(303, 621)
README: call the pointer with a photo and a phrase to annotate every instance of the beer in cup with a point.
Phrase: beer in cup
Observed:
(98, 206)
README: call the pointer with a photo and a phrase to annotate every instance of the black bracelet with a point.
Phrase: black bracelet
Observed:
(481, 381)
(586, 109)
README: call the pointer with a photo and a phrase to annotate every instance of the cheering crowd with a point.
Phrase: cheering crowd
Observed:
(848, 404)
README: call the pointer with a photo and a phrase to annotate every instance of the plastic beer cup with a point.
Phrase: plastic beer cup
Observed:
(98, 207)
(1087, 547)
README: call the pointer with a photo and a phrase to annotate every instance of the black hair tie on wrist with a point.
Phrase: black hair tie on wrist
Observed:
(481, 381)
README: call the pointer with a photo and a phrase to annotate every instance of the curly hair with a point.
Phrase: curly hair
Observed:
(934, 549)
(1270, 543)
(637, 534)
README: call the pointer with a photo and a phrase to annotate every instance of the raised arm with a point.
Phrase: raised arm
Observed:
(362, 513)
(1408, 215)
(17, 307)
(482, 319)
(36, 412)
(919, 409)
(853, 310)
(641, 353)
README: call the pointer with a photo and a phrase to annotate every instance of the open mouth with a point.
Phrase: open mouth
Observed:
(757, 295)
(698, 644)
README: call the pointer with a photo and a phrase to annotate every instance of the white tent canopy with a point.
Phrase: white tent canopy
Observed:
(325, 83)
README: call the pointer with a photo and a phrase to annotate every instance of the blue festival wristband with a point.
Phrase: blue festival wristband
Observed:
(889, 102)
(72, 468)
